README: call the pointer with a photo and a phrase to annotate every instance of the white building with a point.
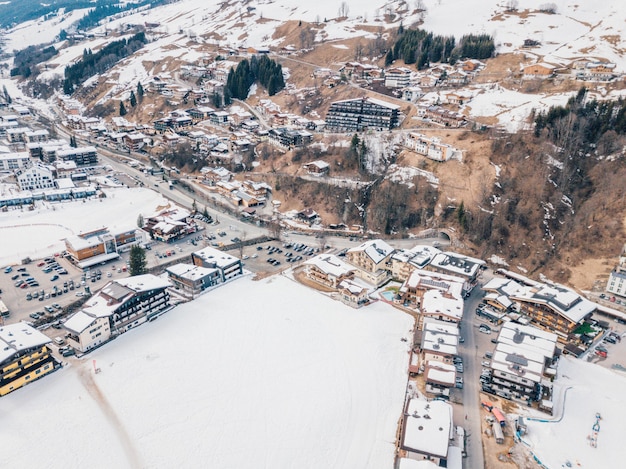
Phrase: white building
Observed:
(617, 277)
(370, 259)
(11, 161)
(432, 148)
(397, 77)
(442, 305)
(87, 331)
(427, 430)
(38, 176)
(229, 266)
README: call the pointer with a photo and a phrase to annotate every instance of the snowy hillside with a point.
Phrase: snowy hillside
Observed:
(582, 29)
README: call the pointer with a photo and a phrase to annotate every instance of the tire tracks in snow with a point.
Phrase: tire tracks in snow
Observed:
(86, 378)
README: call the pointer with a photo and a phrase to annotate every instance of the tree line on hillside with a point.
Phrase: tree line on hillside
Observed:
(416, 46)
(266, 71)
(26, 59)
(99, 62)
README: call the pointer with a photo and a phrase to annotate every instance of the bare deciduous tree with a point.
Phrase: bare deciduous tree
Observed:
(344, 10)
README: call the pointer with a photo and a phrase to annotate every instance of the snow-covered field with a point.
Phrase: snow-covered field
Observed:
(41, 232)
(253, 374)
(591, 389)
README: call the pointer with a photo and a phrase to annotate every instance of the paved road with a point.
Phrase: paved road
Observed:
(471, 352)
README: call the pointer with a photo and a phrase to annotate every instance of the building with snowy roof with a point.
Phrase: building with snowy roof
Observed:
(24, 356)
(37, 176)
(420, 281)
(353, 293)
(441, 305)
(405, 261)
(193, 279)
(228, 266)
(123, 304)
(328, 270)
(458, 265)
(12, 161)
(554, 308)
(370, 260)
(523, 362)
(427, 430)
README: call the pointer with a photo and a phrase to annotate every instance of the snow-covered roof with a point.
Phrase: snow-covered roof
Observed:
(406, 463)
(377, 250)
(190, 271)
(434, 325)
(78, 322)
(19, 337)
(428, 425)
(457, 263)
(146, 282)
(528, 338)
(330, 265)
(435, 302)
(564, 301)
(440, 376)
(216, 257)
(435, 281)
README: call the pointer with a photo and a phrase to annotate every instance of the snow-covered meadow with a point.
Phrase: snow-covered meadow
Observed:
(253, 374)
(41, 232)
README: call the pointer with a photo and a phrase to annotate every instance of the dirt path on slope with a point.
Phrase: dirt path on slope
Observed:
(86, 377)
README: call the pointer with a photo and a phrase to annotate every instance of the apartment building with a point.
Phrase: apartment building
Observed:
(355, 115)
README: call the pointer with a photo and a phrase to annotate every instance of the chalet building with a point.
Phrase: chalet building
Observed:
(200, 113)
(427, 430)
(228, 266)
(352, 294)
(617, 277)
(12, 161)
(524, 363)
(554, 309)
(599, 71)
(370, 259)
(420, 281)
(404, 261)
(359, 70)
(134, 141)
(441, 116)
(25, 356)
(308, 215)
(38, 176)
(193, 279)
(215, 175)
(499, 291)
(457, 77)
(539, 70)
(87, 331)
(259, 190)
(458, 265)
(397, 77)
(317, 168)
(118, 307)
(441, 305)
(356, 115)
(290, 138)
(328, 270)
(432, 148)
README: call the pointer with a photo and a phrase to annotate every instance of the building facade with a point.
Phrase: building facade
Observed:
(356, 115)
(24, 356)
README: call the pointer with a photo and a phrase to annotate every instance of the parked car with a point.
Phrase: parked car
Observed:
(35, 316)
(54, 277)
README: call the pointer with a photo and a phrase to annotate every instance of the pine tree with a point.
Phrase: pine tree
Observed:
(133, 99)
(122, 109)
(140, 221)
(140, 91)
(138, 263)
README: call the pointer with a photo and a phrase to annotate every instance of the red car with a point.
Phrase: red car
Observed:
(24, 285)
(41, 264)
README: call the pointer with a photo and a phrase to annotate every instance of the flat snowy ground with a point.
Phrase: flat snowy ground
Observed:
(41, 232)
(253, 374)
(592, 389)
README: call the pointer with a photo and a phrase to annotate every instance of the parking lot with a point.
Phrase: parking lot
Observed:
(274, 256)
